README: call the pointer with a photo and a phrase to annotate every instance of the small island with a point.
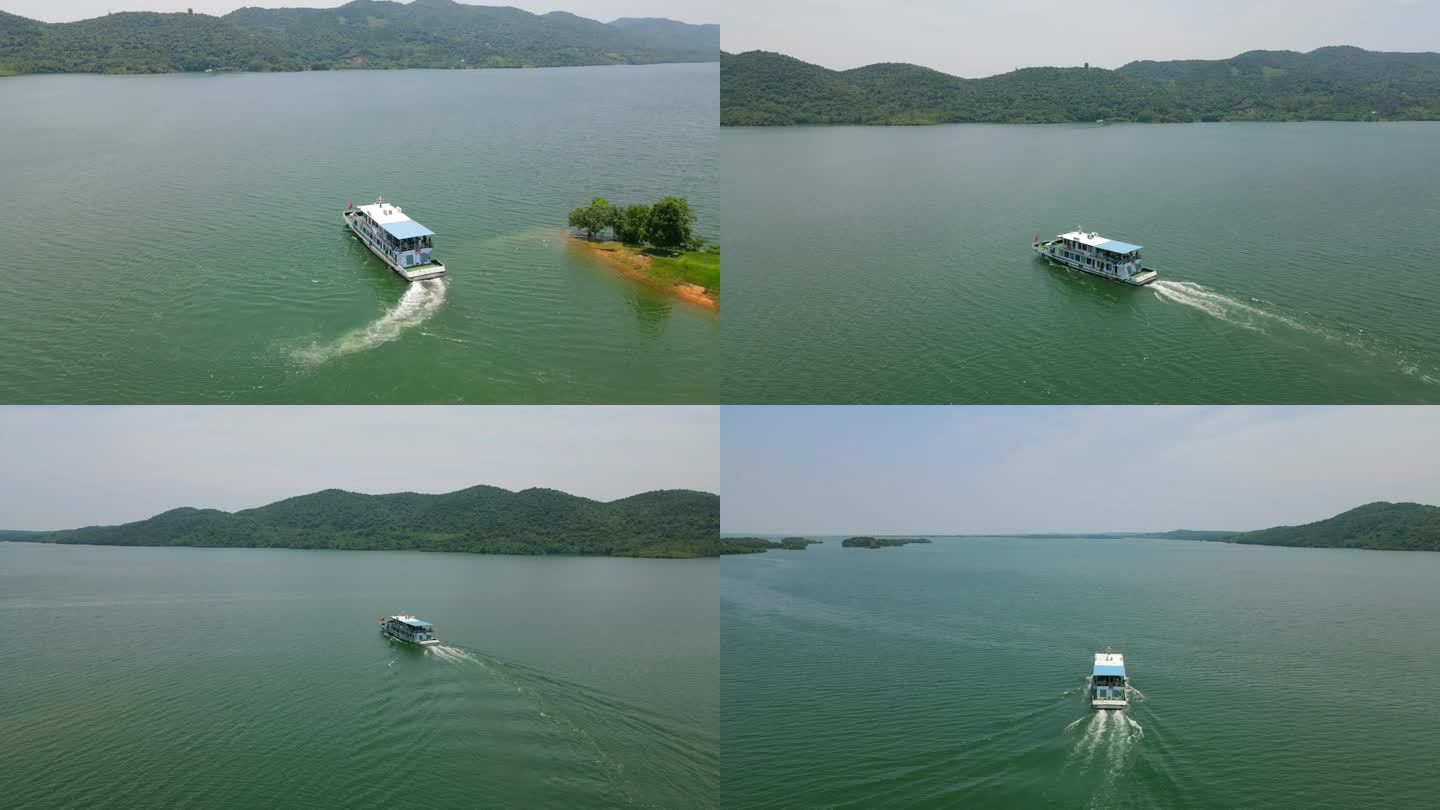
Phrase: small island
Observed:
(879, 542)
(760, 545)
(653, 244)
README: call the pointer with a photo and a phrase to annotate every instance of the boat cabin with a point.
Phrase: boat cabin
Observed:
(1091, 251)
(411, 629)
(1108, 686)
(395, 236)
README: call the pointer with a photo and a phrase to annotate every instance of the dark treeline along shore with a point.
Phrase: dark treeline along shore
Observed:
(1380, 526)
(673, 523)
(759, 545)
(361, 34)
(1341, 83)
(880, 542)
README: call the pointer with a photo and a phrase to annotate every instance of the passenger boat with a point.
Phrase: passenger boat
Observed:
(402, 243)
(409, 629)
(1089, 252)
(1108, 687)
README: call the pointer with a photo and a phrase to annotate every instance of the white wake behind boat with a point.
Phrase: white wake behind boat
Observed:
(403, 244)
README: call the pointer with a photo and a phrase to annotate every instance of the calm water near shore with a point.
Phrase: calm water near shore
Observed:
(894, 265)
(951, 675)
(178, 238)
(185, 677)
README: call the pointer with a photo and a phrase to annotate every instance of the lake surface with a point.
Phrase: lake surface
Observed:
(894, 264)
(180, 677)
(178, 238)
(952, 675)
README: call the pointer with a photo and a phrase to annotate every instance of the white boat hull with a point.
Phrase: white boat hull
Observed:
(1109, 704)
(1042, 249)
(431, 270)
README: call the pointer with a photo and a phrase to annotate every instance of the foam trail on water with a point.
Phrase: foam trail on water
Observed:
(1260, 317)
(1132, 723)
(1084, 748)
(422, 299)
(452, 654)
(1226, 308)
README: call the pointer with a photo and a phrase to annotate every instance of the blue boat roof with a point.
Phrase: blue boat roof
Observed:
(1115, 246)
(1109, 669)
(417, 623)
(406, 229)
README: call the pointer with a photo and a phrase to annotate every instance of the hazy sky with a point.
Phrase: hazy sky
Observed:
(74, 466)
(983, 37)
(973, 470)
(691, 11)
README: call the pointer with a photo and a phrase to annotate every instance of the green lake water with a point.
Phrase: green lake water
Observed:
(178, 238)
(894, 264)
(952, 675)
(182, 677)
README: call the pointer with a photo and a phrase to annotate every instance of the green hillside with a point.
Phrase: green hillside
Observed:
(361, 34)
(1338, 83)
(487, 520)
(1380, 525)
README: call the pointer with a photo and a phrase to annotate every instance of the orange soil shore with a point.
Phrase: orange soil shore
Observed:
(635, 266)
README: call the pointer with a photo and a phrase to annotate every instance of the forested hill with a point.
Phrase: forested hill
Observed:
(1380, 525)
(1337, 83)
(362, 34)
(665, 523)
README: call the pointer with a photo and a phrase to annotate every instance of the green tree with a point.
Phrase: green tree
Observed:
(632, 224)
(670, 222)
(594, 218)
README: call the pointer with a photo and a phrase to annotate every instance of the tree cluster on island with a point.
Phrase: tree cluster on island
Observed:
(668, 224)
(759, 88)
(482, 519)
(879, 542)
(361, 34)
(758, 545)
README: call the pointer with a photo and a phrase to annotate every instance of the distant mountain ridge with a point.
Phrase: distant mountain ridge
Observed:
(360, 34)
(1342, 83)
(481, 519)
(1381, 525)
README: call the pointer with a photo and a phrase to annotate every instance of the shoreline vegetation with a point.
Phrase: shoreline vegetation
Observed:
(1378, 526)
(654, 245)
(481, 520)
(436, 34)
(760, 545)
(879, 542)
(1342, 83)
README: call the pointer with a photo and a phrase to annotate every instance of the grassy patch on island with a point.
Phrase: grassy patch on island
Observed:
(700, 267)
